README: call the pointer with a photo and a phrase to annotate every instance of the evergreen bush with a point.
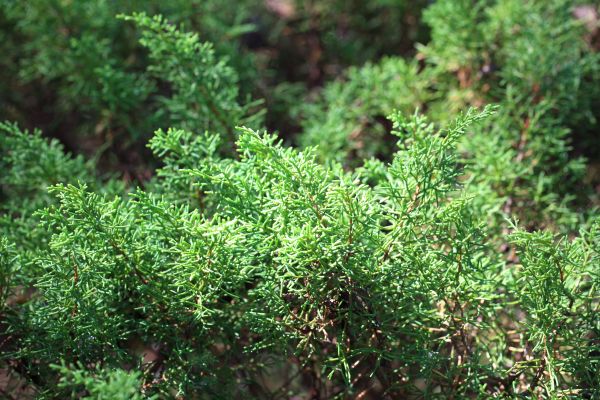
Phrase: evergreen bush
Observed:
(426, 229)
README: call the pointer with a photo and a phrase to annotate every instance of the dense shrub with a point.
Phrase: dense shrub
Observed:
(423, 226)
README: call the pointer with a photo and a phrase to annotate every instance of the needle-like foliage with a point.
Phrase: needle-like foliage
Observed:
(433, 236)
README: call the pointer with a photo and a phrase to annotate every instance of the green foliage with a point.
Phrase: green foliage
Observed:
(87, 72)
(554, 288)
(100, 384)
(86, 65)
(179, 149)
(204, 89)
(348, 122)
(6, 269)
(29, 166)
(381, 259)
(530, 58)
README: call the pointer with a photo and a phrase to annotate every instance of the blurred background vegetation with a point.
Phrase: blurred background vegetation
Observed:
(73, 70)
(316, 72)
